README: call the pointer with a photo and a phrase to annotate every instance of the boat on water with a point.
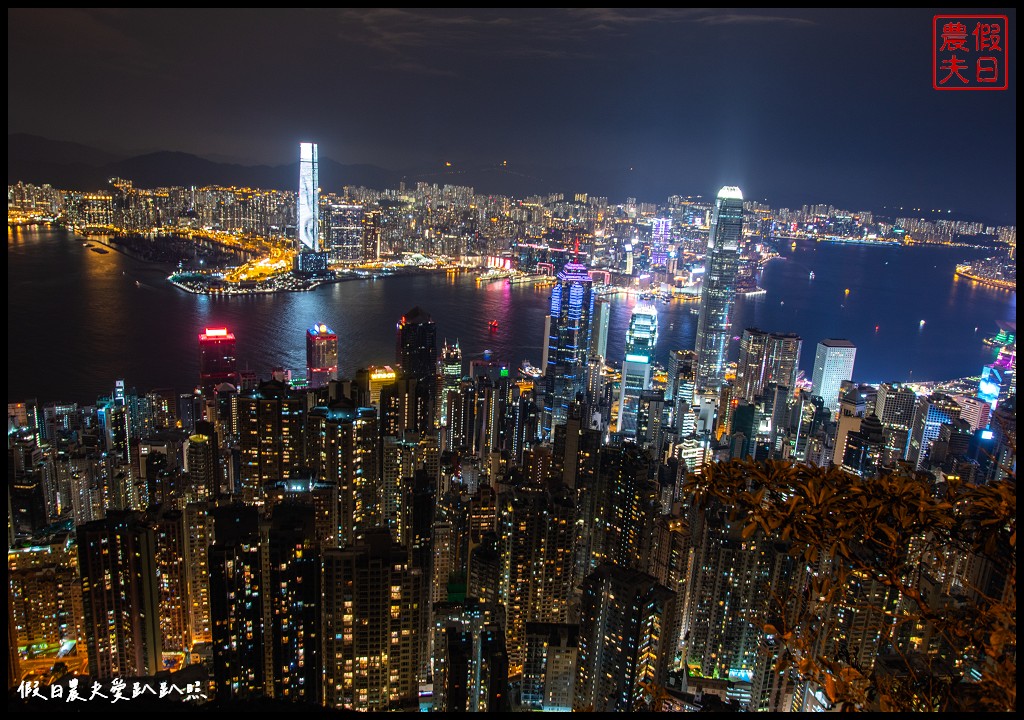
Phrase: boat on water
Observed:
(530, 371)
(811, 275)
(493, 325)
(101, 251)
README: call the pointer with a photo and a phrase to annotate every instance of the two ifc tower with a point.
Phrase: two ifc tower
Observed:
(217, 363)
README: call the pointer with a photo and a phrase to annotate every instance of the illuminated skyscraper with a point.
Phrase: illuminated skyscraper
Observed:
(737, 584)
(292, 583)
(572, 307)
(203, 466)
(718, 292)
(625, 640)
(539, 528)
(998, 380)
(371, 235)
(470, 663)
(766, 358)
(321, 355)
(929, 415)
(682, 378)
(599, 332)
(120, 596)
(172, 578)
(451, 376)
(343, 450)
(271, 420)
(894, 406)
(216, 359)
(417, 345)
(833, 363)
(308, 200)
(373, 608)
(343, 232)
(237, 603)
(641, 337)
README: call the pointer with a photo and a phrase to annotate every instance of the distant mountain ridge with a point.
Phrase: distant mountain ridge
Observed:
(73, 166)
(38, 160)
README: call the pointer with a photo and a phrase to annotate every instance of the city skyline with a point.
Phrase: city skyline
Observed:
(273, 447)
(820, 102)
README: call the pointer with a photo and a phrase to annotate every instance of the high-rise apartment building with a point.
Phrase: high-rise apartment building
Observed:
(237, 603)
(737, 585)
(625, 643)
(470, 663)
(270, 436)
(292, 583)
(342, 444)
(718, 292)
(172, 579)
(833, 363)
(120, 595)
(373, 604)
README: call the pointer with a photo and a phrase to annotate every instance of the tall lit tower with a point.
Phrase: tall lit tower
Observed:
(641, 338)
(626, 639)
(417, 344)
(766, 358)
(599, 330)
(216, 359)
(308, 201)
(572, 307)
(451, 376)
(718, 293)
(120, 595)
(833, 363)
(321, 355)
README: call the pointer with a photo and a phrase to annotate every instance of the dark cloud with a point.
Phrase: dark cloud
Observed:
(798, 105)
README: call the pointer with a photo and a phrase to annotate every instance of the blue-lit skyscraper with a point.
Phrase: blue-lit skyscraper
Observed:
(308, 200)
(572, 307)
(718, 292)
(641, 338)
(997, 379)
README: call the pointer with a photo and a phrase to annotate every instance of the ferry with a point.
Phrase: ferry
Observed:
(530, 371)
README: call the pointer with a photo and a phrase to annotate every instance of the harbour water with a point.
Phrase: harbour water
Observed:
(79, 320)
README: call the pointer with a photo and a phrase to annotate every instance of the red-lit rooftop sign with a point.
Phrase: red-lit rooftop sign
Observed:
(216, 334)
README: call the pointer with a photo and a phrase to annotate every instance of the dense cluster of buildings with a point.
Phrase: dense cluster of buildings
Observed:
(437, 535)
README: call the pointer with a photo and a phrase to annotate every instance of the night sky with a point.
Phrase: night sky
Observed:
(794, 106)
